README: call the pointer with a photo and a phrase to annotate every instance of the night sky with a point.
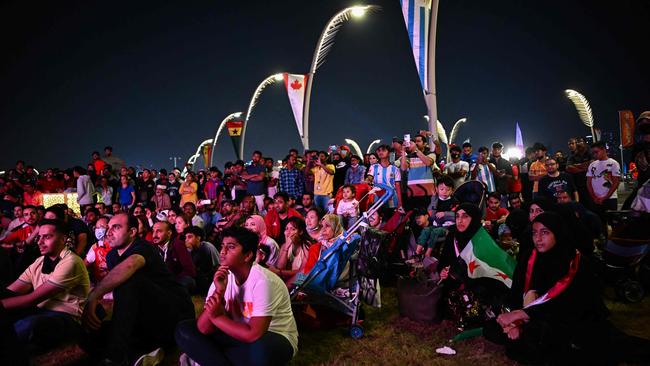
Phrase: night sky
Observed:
(153, 79)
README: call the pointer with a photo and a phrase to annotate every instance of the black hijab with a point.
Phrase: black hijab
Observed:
(552, 265)
(517, 221)
(462, 238)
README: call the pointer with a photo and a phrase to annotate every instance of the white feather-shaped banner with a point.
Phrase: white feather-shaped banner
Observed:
(454, 130)
(582, 106)
(355, 146)
(442, 134)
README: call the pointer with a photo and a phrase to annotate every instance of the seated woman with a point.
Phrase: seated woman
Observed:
(560, 316)
(255, 223)
(247, 319)
(294, 251)
(332, 229)
(312, 220)
(467, 299)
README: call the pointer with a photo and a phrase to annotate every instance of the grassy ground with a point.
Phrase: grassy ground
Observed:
(391, 340)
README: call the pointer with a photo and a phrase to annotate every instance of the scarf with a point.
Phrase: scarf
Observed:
(261, 226)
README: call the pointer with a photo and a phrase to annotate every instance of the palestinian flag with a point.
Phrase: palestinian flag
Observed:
(484, 258)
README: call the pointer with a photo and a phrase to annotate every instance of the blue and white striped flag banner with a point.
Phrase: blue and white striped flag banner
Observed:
(417, 16)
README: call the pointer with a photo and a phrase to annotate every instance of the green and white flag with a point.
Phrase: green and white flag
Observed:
(485, 258)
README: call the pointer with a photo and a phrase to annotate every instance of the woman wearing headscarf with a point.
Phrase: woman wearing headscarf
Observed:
(561, 317)
(330, 232)
(255, 223)
(468, 221)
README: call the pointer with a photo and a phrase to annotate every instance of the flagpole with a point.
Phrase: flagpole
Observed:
(430, 95)
(325, 43)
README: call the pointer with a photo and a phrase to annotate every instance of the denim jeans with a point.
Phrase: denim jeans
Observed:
(219, 348)
(321, 201)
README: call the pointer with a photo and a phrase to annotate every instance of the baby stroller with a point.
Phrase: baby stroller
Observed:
(319, 285)
(625, 253)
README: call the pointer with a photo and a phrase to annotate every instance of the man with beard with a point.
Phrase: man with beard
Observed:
(276, 219)
(556, 181)
(174, 254)
(254, 175)
(45, 304)
(148, 302)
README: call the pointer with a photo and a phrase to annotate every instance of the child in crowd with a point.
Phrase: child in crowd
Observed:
(348, 208)
(494, 214)
(429, 235)
(441, 207)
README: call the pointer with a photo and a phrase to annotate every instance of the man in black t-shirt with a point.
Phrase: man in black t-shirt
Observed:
(503, 172)
(148, 302)
(556, 181)
(145, 187)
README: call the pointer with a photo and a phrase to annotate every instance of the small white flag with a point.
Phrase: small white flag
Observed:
(295, 85)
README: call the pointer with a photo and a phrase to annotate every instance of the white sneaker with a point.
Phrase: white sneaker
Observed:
(152, 358)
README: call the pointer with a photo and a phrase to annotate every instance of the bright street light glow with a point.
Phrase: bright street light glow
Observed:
(513, 152)
(278, 77)
(358, 11)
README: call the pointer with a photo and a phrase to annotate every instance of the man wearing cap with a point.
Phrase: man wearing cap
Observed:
(503, 172)
(161, 198)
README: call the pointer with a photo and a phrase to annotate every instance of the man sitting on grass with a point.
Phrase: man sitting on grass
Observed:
(44, 305)
(247, 319)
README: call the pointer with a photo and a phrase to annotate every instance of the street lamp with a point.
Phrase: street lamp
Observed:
(175, 159)
(355, 146)
(258, 91)
(584, 109)
(371, 145)
(229, 117)
(192, 159)
(324, 45)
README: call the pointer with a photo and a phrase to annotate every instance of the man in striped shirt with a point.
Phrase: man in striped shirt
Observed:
(483, 170)
(386, 173)
(292, 180)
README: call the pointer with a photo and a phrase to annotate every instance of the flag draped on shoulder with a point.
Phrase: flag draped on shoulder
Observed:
(295, 85)
(417, 16)
(484, 258)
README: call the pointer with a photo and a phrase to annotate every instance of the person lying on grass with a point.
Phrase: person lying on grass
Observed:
(247, 319)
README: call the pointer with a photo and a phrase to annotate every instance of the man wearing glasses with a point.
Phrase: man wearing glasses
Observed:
(555, 182)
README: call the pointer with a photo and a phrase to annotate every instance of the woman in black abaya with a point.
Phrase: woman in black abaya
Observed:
(561, 317)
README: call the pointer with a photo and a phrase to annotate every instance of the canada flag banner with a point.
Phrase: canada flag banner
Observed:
(295, 85)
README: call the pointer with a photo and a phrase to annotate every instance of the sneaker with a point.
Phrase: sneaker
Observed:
(152, 358)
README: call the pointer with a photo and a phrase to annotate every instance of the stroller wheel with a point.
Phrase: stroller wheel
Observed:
(632, 291)
(356, 331)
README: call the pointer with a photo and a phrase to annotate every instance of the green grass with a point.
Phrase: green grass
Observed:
(391, 340)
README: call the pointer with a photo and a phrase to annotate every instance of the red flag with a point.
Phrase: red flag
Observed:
(626, 120)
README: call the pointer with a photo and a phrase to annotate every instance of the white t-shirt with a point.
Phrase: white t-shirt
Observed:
(457, 167)
(601, 173)
(263, 294)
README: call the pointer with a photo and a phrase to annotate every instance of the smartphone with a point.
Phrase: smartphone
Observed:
(407, 138)
(205, 202)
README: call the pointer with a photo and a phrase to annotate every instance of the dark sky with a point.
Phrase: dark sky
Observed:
(153, 79)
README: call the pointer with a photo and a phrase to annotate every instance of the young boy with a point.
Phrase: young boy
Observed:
(429, 234)
(348, 208)
(247, 319)
(442, 203)
(494, 214)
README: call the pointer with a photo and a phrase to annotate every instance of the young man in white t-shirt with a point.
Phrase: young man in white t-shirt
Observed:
(603, 177)
(247, 319)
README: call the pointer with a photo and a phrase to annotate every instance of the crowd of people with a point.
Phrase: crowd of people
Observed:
(146, 241)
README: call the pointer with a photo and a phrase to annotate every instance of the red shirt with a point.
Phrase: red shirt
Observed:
(490, 215)
(50, 186)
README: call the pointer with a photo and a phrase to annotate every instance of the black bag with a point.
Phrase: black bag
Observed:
(418, 300)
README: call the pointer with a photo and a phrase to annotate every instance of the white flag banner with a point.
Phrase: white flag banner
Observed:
(295, 85)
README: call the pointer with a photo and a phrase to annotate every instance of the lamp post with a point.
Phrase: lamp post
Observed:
(375, 142)
(355, 146)
(192, 159)
(229, 117)
(175, 159)
(454, 133)
(258, 91)
(324, 45)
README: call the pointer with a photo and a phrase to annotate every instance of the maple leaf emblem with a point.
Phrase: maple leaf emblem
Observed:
(296, 84)
(472, 266)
